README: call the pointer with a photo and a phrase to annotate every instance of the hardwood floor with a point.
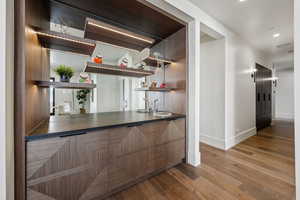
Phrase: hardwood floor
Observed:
(260, 168)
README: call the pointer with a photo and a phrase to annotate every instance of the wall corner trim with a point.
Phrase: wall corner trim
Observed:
(240, 137)
(212, 141)
(195, 163)
(223, 144)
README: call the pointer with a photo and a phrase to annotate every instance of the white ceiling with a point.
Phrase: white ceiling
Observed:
(255, 20)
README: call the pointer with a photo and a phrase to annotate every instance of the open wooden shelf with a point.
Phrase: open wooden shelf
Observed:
(100, 31)
(154, 62)
(115, 70)
(64, 42)
(155, 89)
(64, 85)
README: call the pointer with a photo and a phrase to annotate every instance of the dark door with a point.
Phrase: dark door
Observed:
(263, 97)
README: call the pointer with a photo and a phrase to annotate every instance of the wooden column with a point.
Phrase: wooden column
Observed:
(19, 92)
(31, 63)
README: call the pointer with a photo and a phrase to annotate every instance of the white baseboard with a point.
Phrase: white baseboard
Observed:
(284, 116)
(240, 137)
(282, 119)
(225, 145)
(213, 141)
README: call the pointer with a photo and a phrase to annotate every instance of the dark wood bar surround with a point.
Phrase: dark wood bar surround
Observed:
(98, 161)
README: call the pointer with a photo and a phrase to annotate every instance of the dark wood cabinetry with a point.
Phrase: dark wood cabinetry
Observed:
(263, 97)
(98, 163)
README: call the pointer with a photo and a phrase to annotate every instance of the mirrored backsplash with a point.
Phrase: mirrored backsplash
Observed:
(113, 93)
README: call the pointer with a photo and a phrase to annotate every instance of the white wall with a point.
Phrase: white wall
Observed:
(228, 91)
(284, 103)
(240, 106)
(6, 101)
(239, 87)
(212, 93)
(240, 59)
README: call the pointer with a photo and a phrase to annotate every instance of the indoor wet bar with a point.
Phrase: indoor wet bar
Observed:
(105, 98)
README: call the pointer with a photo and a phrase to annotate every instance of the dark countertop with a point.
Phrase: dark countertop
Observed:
(66, 125)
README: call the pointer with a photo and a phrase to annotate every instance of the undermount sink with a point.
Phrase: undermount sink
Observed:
(142, 111)
(162, 114)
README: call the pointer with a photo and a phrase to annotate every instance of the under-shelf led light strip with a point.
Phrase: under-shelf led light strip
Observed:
(63, 38)
(121, 33)
(125, 70)
(159, 60)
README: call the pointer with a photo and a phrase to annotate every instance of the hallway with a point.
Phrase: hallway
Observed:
(261, 168)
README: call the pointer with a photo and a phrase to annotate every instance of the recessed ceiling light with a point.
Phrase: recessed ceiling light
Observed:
(276, 35)
(242, 0)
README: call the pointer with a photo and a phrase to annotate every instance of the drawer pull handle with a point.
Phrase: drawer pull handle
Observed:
(134, 125)
(72, 134)
(172, 119)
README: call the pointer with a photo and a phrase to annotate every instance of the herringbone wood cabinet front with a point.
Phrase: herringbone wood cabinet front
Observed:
(93, 165)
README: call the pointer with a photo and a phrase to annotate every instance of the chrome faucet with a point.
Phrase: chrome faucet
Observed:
(155, 105)
(147, 106)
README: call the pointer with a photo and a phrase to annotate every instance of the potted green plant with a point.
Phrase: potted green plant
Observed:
(82, 99)
(64, 72)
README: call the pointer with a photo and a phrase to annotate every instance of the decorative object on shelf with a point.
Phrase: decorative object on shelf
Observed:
(138, 59)
(59, 109)
(64, 72)
(144, 84)
(84, 78)
(82, 99)
(153, 84)
(125, 61)
(163, 85)
(98, 59)
(146, 89)
(140, 65)
(155, 60)
(63, 109)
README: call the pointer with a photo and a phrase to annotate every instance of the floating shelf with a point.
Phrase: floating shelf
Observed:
(115, 70)
(64, 42)
(154, 62)
(65, 85)
(155, 89)
(100, 31)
